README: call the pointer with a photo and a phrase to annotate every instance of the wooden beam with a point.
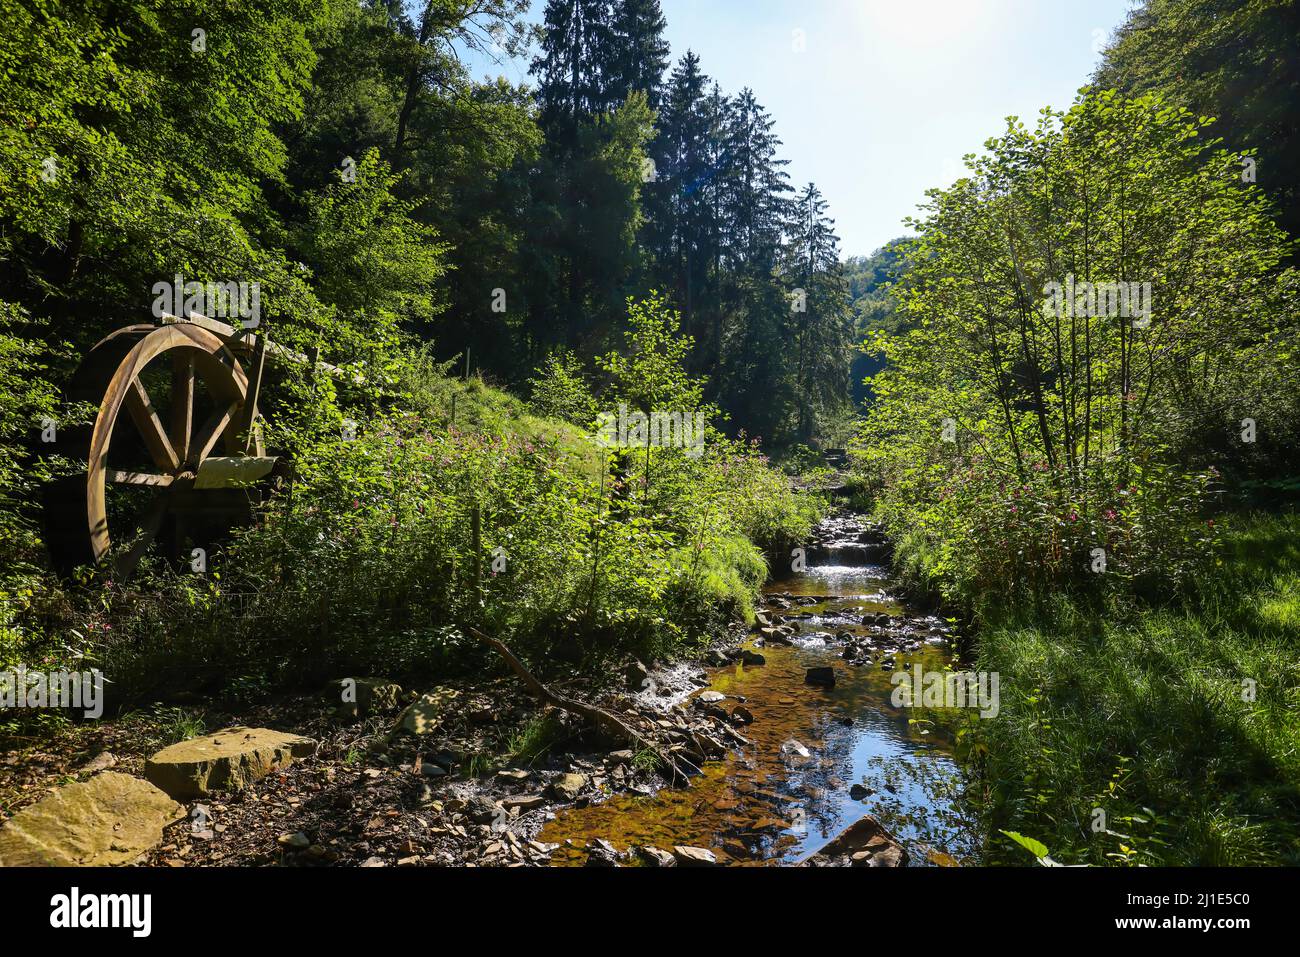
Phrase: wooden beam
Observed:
(244, 341)
(247, 421)
(120, 477)
(182, 402)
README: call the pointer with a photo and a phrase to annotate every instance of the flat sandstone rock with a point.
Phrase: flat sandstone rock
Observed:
(111, 819)
(226, 761)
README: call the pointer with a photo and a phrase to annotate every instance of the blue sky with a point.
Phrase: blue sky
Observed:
(886, 96)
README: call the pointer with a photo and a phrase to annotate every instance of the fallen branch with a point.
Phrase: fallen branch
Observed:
(605, 720)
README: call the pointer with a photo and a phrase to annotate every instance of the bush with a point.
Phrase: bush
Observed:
(388, 545)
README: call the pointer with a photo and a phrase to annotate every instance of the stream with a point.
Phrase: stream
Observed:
(818, 758)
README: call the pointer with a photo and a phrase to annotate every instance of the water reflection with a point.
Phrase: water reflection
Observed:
(793, 788)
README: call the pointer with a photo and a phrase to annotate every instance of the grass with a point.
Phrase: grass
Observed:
(1181, 723)
(535, 739)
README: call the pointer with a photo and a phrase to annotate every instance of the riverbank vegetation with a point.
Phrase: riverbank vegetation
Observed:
(1155, 733)
(1096, 380)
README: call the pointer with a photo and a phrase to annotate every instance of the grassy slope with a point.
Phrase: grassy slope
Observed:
(1134, 708)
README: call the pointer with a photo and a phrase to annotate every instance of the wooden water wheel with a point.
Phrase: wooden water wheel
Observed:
(172, 452)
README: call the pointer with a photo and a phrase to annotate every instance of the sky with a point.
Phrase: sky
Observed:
(877, 101)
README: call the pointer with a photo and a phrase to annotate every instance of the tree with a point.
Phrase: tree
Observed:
(1230, 59)
(1095, 311)
(572, 67)
(650, 374)
(820, 321)
(640, 52)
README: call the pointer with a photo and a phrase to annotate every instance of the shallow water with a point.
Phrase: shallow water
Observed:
(788, 793)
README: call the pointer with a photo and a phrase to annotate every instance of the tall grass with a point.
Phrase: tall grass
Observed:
(1181, 722)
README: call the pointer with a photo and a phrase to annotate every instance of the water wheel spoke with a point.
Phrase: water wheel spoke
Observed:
(182, 402)
(146, 526)
(211, 432)
(146, 420)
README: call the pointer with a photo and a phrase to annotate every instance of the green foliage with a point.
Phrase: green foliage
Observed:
(392, 542)
(27, 406)
(1020, 437)
(870, 280)
(1179, 723)
(377, 265)
(650, 373)
(1230, 59)
(560, 390)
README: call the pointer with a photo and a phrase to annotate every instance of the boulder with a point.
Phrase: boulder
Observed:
(225, 761)
(775, 636)
(688, 856)
(359, 697)
(655, 857)
(483, 810)
(865, 842)
(637, 675)
(823, 677)
(111, 819)
(748, 657)
(100, 762)
(567, 787)
(425, 715)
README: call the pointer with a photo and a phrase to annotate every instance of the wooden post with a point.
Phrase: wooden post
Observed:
(248, 415)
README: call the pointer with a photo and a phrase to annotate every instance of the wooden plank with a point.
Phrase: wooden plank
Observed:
(244, 341)
(233, 471)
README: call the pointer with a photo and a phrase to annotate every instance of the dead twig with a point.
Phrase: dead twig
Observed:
(605, 720)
